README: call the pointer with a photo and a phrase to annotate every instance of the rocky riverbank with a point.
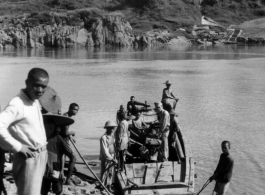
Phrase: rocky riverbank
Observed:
(81, 186)
(111, 30)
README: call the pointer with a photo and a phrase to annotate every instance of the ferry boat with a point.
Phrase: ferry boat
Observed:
(175, 176)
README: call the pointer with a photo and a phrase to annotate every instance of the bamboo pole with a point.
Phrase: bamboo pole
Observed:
(89, 167)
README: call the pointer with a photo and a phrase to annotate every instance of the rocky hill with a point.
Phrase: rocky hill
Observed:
(63, 23)
(141, 14)
(229, 12)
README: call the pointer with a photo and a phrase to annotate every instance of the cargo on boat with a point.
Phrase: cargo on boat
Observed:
(175, 176)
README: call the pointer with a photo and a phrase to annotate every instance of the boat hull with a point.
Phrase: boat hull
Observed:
(169, 177)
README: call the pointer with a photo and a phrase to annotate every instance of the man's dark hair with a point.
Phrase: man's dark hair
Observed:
(73, 105)
(37, 72)
(226, 142)
(132, 97)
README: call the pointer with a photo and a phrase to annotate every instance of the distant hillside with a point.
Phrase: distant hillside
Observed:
(142, 14)
(229, 12)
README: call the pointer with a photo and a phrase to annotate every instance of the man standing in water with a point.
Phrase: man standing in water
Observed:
(168, 95)
(107, 154)
(164, 124)
(22, 132)
(224, 170)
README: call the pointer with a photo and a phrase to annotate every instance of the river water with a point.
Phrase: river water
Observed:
(221, 91)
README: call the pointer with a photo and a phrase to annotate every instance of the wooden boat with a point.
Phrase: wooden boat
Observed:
(169, 177)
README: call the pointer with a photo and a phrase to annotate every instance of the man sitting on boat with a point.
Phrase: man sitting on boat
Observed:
(107, 154)
(137, 133)
(168, 97)
(132, 106)
(153, 145)
(164, 124)
(138, 125)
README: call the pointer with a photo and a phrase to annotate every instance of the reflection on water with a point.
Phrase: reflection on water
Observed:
(145, 53)
(221, 91)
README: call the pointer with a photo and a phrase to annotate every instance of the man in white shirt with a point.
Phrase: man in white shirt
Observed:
(22, 132)
(107, 154)
(164, 124)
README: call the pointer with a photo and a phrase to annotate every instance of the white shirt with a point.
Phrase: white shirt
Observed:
(106, 147)
(21, 123)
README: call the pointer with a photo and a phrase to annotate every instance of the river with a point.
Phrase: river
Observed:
(221, 91)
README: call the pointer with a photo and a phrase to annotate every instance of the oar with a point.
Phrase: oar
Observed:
(89, 167)
(204, 186)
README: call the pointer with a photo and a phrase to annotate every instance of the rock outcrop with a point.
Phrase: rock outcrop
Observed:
(111, 30)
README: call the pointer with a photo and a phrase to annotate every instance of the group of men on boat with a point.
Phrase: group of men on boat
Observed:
(32, 129)
(133, 141)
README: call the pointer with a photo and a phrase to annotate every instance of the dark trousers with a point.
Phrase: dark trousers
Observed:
(121, 156)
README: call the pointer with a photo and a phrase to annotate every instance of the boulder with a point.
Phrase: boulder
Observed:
(82, 37)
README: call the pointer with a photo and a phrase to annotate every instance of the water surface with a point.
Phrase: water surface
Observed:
(221, 91)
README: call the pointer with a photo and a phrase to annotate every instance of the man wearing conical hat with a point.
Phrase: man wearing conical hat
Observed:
(168, 97)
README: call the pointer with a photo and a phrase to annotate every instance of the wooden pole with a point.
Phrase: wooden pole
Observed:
(89, 167)
(204, 186)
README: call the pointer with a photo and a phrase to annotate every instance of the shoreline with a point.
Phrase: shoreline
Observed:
(84, 185)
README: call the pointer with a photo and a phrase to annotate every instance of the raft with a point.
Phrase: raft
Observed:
(169, 177)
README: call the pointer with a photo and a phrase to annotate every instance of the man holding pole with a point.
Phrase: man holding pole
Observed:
(22, 132)
(66, 133)
(224, 170)
(107, 154)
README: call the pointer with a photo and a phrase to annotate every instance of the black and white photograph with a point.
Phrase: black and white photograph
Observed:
(132, 97)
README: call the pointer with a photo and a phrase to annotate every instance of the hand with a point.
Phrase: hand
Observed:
(62, 176)
(176, 99)
(115, 161)
(73, 133)
(73, 140)
(211, 178)
(28, 151)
